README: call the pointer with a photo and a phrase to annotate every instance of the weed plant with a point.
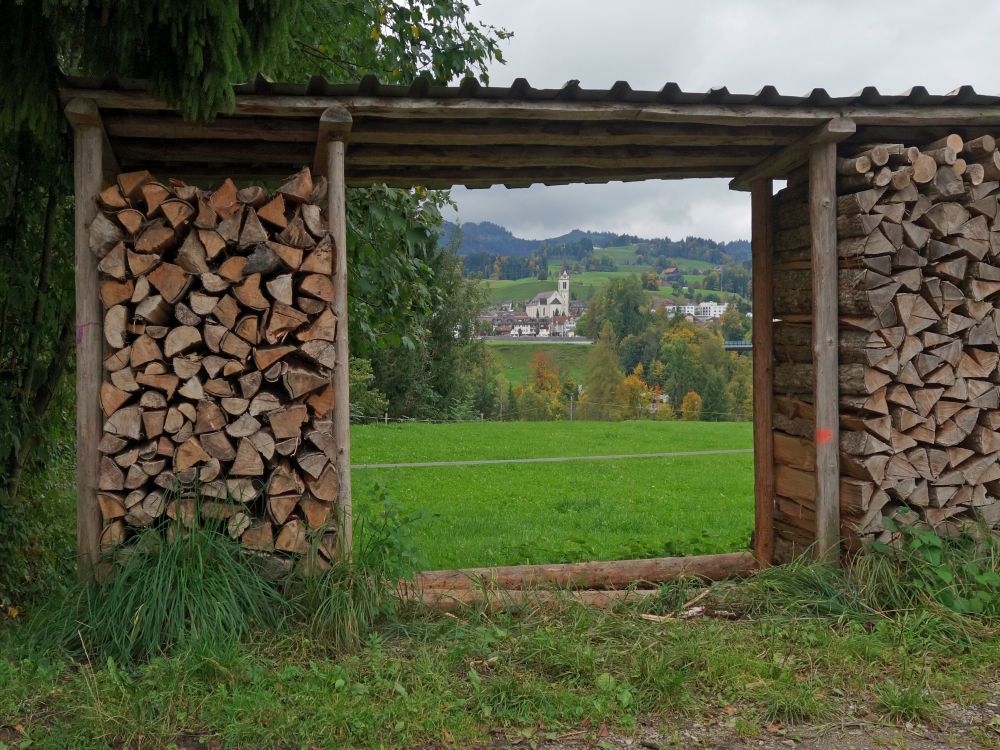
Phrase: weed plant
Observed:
(929, 583)
(342, 604)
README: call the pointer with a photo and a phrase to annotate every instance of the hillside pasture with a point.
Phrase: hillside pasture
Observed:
(516, 359)
(507, 514)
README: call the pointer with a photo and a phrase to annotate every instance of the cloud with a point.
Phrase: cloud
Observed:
(654, 208)
(840, 45)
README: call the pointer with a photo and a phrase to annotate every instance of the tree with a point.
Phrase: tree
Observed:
(635, 397)
(622, 303)
(367, 402)
(733, 325)
(691, 407)
(601, 395)
(739, 390)
(544, 377)
(713, 406)
(192, 53)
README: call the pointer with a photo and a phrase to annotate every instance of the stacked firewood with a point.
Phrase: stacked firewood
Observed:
(220, 348)
(919, 296)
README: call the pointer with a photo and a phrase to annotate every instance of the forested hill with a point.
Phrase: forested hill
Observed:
(487, 237)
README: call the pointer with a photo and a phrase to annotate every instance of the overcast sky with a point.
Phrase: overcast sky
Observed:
(839, 45)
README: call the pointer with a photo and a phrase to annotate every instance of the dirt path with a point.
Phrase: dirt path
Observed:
(975, 727)
(555, 459)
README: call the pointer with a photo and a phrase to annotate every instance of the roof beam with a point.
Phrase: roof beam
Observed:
(334, 125)
(485, 177)
(83, 113)
(510, 157)
(392, 131)
(796, 154)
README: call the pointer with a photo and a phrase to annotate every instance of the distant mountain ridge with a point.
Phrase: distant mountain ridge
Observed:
(488, 237)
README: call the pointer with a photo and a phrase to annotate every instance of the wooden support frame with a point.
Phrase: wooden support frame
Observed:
(823, 230)
(334, 126)
(89, 161)
(408, 125)
(795, 154)
(762, 242)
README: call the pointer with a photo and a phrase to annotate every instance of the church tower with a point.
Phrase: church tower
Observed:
(564, 289)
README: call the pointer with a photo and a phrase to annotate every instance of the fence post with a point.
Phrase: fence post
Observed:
(386, 418)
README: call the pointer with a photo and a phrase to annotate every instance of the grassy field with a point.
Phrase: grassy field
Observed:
(409, 443)
(515, 358)
(563, 512)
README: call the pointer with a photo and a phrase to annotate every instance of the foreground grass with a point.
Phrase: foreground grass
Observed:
(430, 679)
(567, 512)
(410, 442)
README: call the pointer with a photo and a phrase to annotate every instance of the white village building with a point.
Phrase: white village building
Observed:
(703, 311)
(550, 304)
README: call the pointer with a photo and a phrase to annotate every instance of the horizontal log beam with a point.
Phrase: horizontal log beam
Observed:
(591, 575)
(444, 177)
(796, 154)
(451, 133)
(452, 600)
(509, 157)
(475, 108)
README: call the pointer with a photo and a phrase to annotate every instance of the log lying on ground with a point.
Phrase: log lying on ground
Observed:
(496, 600)
(593, 575)
(218, 392)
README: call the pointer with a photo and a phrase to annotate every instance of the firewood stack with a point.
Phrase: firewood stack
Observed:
(919, 291)
(220, 348)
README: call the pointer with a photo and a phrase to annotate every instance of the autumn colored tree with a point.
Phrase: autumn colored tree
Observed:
(635, 396)
(691, 407)
(544, 376)
(739, 390)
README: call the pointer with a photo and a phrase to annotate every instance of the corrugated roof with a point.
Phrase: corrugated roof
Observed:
(621, 91)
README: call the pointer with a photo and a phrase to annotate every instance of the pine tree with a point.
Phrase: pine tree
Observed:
(601, 399)
(713, 406)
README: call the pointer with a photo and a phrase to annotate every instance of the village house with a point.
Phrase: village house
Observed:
(702, 312)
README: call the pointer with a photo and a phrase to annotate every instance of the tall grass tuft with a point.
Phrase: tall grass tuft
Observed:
(930, 583)
(343, 603)
(193, 587)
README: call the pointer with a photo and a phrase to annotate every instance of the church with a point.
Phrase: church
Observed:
(550, 304)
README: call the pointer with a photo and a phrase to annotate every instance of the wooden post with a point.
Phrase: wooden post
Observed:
(88, 138)
(823, 228)
(762, 240)
(335, 124)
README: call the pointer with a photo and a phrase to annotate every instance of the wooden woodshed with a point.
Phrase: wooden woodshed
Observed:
(875, 269)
